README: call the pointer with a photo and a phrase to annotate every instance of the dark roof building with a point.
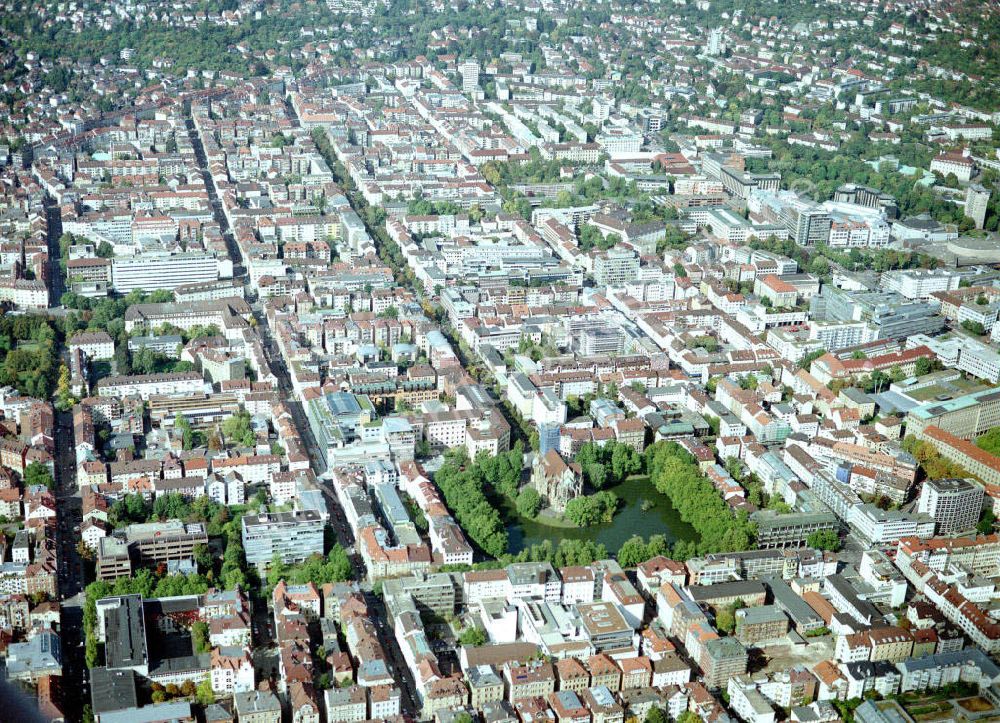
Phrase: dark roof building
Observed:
(125, 633)
(112, 690)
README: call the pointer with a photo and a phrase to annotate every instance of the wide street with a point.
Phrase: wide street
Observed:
(343, 531)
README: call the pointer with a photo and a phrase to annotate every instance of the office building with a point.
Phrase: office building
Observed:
(156, 542)
(167, 344)
(113, 558)
(604, 626)
(802, 616)
(954, 504)
(878, 527)
(919, 283)
(209, 290)
(616, 267)
(593, 335)
(335, 417)
(887, 315)
(617, 141)
(853, 226)
(726, 225)
(292, 536)
(435, 593)
(790, 530)
(808, 223)
(867, 197)
(737, 182)
(957, 351)
(965, 417)
(147, 385)
(148, 545)
(747, 701)
(600, 341)
(160, 270)
(833, 335)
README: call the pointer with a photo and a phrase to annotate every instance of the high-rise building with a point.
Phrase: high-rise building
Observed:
(976, 199)
(716, 42)
(602, 107)
(807, 223)
(721, 659)
(616, 266)
(548, 437)
(469, 70)
(954, 504)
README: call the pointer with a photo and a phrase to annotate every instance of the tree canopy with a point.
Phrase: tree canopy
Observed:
(37, 473)
(824, 540)
(335, 567)
(464, 484)
(609, 464)
(675, 473)
(28, 354)
(587, 510)
(237, 431)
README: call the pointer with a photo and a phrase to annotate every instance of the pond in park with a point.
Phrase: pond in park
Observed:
(656, 517)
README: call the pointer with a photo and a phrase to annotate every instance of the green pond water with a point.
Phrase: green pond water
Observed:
(659, 519)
